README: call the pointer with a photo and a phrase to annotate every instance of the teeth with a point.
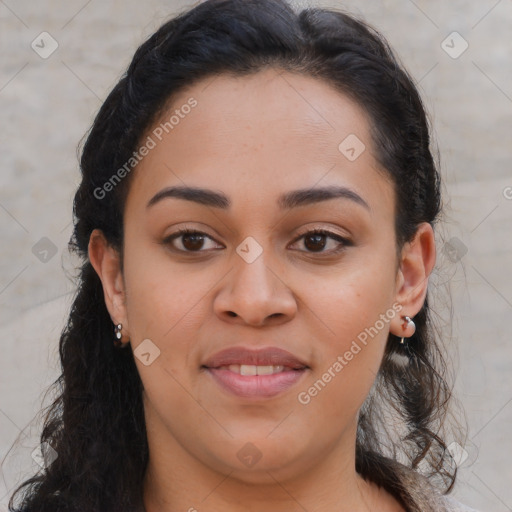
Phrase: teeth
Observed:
(265, 370)
(248, 369)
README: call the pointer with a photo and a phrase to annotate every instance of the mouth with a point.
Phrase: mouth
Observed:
(256, 374)
(249, 369)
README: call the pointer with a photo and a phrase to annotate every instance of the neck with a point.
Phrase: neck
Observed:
(176, 481)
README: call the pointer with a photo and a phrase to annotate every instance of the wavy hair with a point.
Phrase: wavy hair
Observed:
(96, 424)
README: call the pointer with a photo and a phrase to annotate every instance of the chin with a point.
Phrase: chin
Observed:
(261, 461)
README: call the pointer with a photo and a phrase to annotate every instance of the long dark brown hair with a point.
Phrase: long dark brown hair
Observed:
(96, 424)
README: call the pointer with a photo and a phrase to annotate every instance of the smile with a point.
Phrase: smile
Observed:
(248, 369)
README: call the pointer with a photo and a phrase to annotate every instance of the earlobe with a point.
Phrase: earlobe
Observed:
(106, 262)
(417, 262)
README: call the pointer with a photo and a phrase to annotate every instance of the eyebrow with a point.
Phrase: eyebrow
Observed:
(292, 199)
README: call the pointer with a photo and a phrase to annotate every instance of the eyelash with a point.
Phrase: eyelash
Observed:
(185, 231)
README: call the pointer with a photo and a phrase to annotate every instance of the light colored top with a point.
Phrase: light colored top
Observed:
(453, 505)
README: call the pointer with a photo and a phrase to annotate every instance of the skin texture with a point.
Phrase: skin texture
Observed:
(254, 138)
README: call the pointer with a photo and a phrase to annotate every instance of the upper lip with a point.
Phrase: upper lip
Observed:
(267, 356)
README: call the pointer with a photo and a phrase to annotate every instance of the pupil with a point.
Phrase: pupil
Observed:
(317, 238)
(197, 241)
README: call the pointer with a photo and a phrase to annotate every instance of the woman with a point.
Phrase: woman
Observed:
(251, 329)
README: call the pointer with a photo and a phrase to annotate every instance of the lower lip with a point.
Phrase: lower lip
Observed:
(256, 386)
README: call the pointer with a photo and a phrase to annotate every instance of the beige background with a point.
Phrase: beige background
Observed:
(46, 106)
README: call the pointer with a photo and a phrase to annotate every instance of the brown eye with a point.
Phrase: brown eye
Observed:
(191, 240)
(317, 240)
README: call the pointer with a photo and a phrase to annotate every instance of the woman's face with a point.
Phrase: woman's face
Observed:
(254, 280)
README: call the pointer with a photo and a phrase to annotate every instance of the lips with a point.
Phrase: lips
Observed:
(271, 356)
(255, 374)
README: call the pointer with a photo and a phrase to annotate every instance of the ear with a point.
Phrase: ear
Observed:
(106, 261)
(418, 258)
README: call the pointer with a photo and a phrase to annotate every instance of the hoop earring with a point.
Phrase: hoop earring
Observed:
(407, 323)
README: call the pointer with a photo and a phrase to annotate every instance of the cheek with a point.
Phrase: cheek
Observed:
(350, 300)
(356, 311)
(165, 305)
(162, 298)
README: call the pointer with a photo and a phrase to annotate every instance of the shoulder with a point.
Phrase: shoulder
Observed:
(452, 505)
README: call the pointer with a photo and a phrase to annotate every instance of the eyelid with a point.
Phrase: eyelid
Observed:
(323, 230)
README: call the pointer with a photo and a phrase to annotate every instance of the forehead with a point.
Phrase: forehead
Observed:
(257, 133)
(269, 107)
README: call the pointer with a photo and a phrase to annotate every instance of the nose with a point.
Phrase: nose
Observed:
(255, 294)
